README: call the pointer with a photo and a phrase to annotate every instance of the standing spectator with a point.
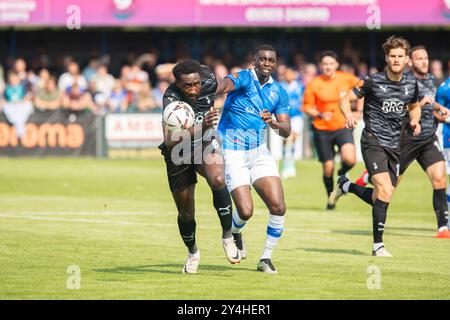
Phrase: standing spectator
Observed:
(20, 68)
(437, 72)
(48, 97)
(71, 77)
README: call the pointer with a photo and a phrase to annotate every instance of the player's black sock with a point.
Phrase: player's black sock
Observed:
(440, 207)
(362, 192)
(329, 184)
(223, 205)
(187, 232)
(344, 169)
(379, 213)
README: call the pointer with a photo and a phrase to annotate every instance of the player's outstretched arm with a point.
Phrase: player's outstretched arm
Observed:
(415, 111)
(224, 86)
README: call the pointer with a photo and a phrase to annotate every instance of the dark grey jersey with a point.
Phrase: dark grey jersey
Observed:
(428, 121)
(385, 106)
(205, 100)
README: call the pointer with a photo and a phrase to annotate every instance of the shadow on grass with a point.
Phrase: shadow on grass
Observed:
(170, 268)
(339, 251)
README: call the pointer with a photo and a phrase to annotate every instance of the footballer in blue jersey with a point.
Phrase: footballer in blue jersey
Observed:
(293, 145)
(254, 101)
(443, 98)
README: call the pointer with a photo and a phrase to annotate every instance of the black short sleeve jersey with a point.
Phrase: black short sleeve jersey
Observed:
(385, 106)
(428, 121)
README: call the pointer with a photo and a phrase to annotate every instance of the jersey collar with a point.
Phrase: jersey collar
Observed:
(255, 77)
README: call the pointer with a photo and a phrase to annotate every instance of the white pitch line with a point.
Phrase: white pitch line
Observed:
(103, 221)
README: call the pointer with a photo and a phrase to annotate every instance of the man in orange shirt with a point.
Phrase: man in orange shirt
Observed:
(321, 102)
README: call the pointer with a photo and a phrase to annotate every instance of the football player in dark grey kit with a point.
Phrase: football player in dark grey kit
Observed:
(389, 97)
(196, 151)
(425, 147)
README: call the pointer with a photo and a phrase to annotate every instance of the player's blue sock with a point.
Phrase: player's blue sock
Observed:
(274, 230)
(238, 223)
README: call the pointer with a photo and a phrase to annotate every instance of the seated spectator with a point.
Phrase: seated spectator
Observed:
(78, 99)
(48, 97)
(15, 90)
(41, 81)
(158, 92)
(104, 82)
(2, 81)
(17, 104)
(71, 77)
(145, 100)
(118, 100)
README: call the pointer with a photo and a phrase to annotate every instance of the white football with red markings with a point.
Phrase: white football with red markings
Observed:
(178, 115)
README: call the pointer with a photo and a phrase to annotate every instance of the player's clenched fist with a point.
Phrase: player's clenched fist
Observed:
(415, 126)
(266, 116)
(350, 121)
(211, 117)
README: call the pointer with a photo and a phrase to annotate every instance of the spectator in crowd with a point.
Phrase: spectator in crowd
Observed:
(78, 99)
(437, 72)
(17, 104)
(91, 69)
(158, 92)
(145, 100)
(15, 90)
(118, 100)
(362, 70)
(2, 81)
(101, 86)
(71, 77)
(20, 69)
(41, 81)
(48, 97)
(148, 63)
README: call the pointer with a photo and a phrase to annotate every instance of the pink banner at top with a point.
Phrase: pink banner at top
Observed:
(282, 13)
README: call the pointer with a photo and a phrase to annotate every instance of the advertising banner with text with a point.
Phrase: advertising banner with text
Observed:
(50, 133)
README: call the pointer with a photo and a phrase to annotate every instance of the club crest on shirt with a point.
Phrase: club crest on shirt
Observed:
(235, 75)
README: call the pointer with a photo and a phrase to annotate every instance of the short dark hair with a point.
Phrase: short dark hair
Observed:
(329, 53)
(265, 47)
(186, 67)
(394, 42)
(415, 48)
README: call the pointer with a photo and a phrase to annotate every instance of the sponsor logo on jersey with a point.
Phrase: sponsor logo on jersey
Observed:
(393, 105)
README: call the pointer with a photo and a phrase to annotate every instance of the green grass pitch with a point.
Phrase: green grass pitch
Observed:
(115, 220)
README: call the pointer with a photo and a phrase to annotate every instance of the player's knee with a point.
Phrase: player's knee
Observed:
(439, 182)
(385, 193)
(217, 182)
(278, 209)
(186, 215)
(245, 213)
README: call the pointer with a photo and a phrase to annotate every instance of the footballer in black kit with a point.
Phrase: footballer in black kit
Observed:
(390, 97)
(196, 85)
(425, 147)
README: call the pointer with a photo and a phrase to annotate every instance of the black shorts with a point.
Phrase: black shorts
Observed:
(426, 152)
(326, 140)
(184, 174)
(379, 159)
